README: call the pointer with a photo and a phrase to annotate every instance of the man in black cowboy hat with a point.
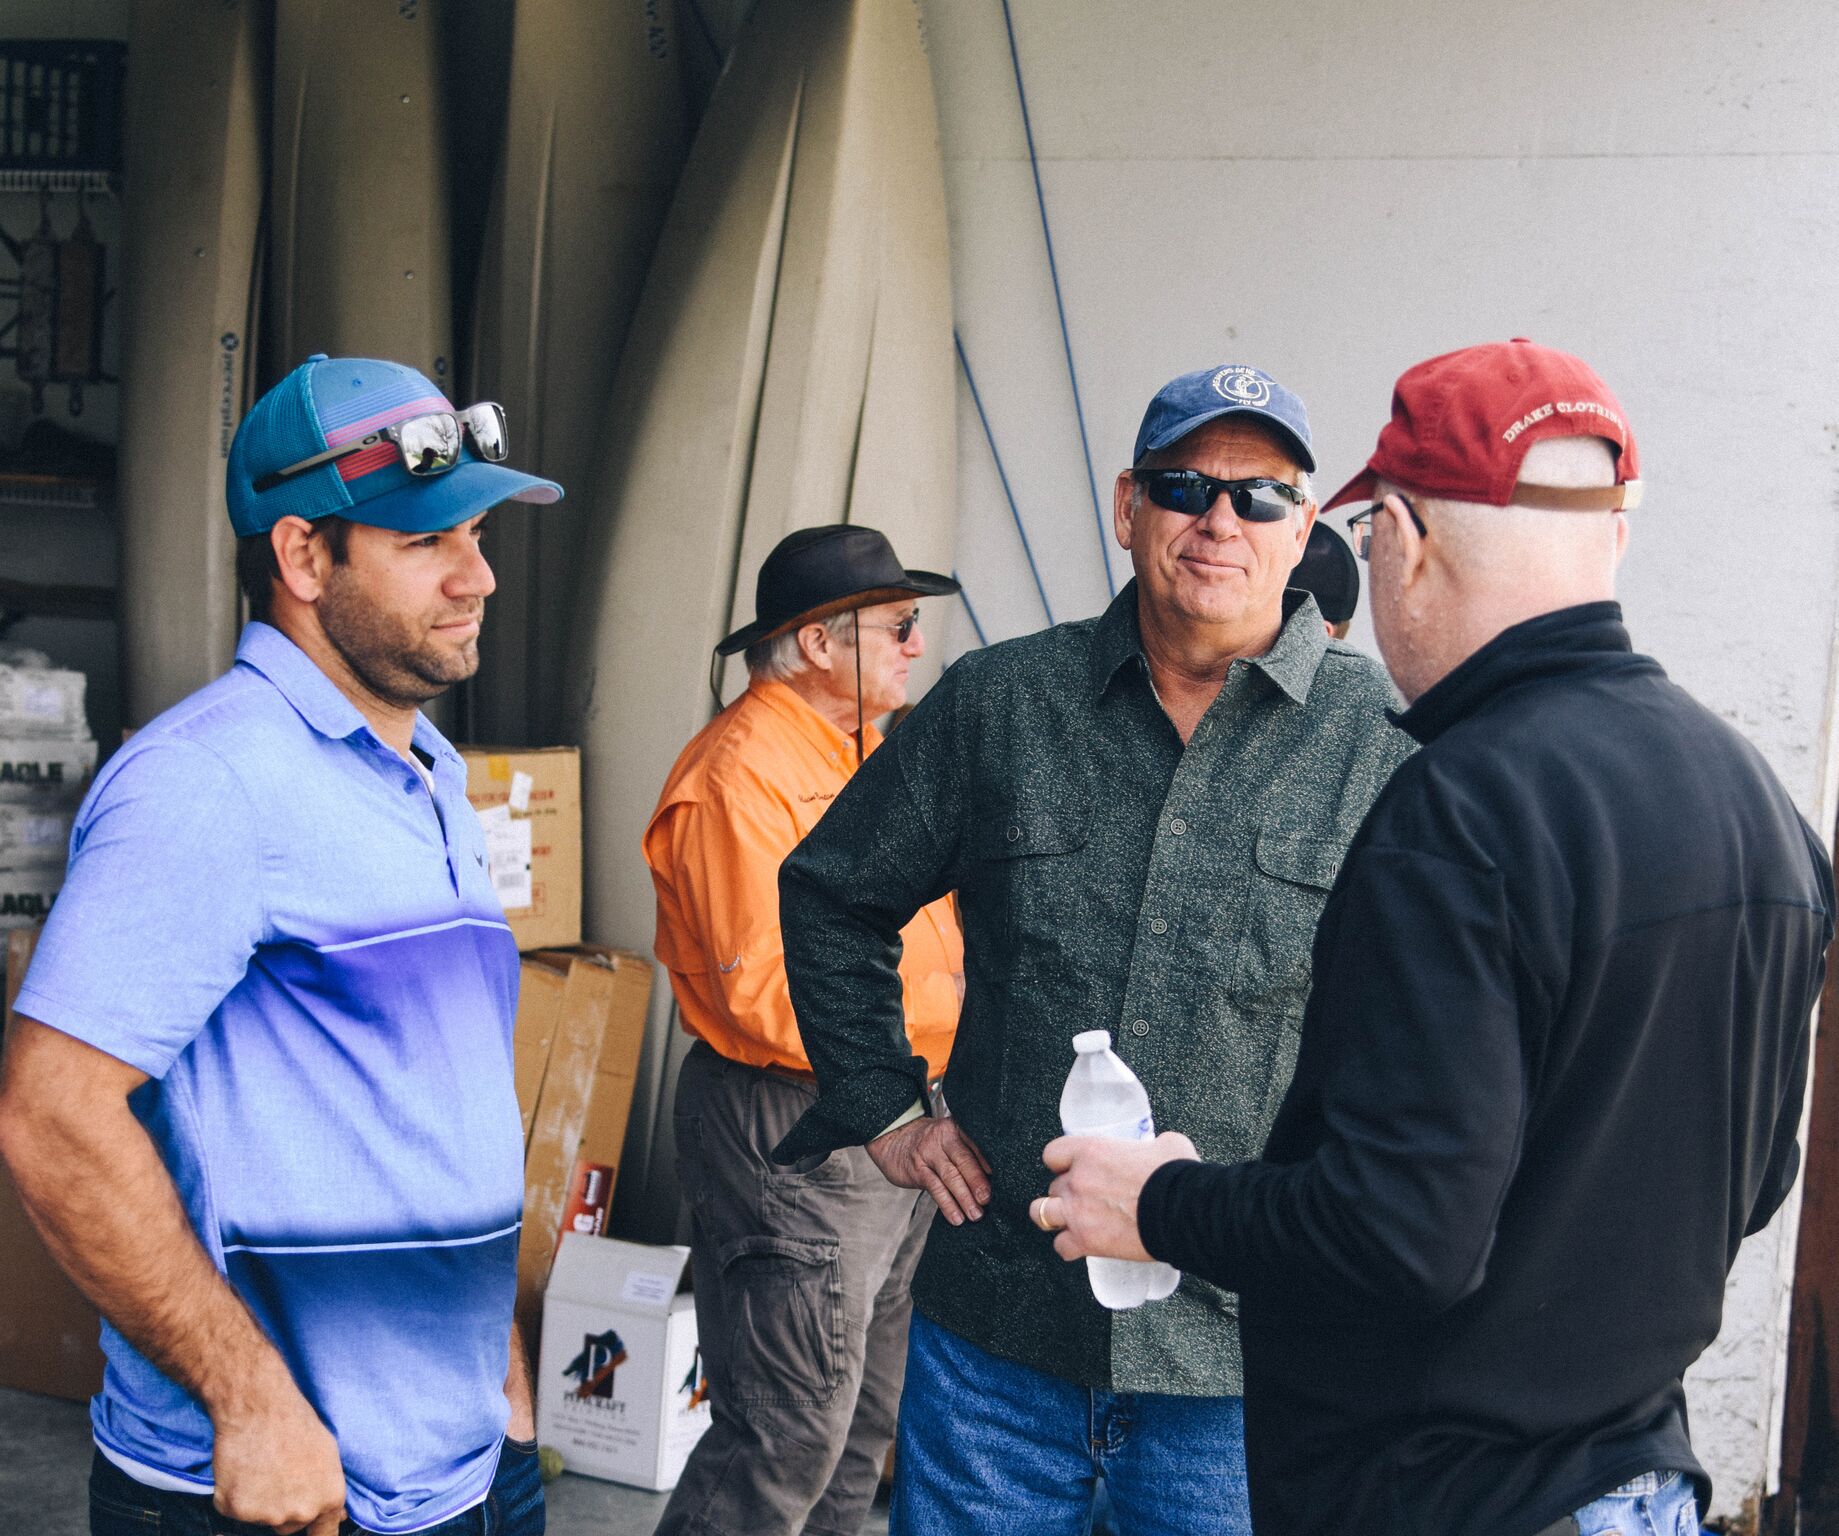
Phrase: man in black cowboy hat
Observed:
(801, 1272)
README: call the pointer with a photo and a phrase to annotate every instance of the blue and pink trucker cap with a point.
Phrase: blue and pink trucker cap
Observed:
(329, 401)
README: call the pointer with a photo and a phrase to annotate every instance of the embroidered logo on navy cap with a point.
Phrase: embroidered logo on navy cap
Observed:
(1242, 385)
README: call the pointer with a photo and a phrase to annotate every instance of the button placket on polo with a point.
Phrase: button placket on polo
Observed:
(455, 793)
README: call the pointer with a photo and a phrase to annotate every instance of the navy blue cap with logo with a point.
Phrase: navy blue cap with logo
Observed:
(1236, 389)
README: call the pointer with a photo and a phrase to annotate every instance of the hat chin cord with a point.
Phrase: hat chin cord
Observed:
(855, 620)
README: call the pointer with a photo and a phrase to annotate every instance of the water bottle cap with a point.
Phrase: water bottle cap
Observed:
(1092, 1042)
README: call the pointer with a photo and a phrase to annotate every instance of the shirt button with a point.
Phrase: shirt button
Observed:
(1139, 1027)
(1157, 925)
(1014, 834)
(1178, 826)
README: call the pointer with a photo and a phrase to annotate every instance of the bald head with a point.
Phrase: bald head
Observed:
(1478, 570)
(1547, 556)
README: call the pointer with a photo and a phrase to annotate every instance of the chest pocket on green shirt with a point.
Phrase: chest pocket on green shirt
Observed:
(1292, 873)
(1026, 874)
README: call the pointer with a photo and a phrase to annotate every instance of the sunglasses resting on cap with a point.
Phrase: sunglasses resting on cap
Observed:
(428, 444)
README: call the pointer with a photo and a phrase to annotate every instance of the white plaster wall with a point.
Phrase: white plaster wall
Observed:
(1333, 190)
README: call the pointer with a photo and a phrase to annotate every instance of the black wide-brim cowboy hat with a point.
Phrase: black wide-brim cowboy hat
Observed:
(817, 572)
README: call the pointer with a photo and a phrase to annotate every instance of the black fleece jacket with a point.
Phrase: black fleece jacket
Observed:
(1550, 1077)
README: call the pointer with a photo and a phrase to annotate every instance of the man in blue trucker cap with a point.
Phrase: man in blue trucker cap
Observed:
(259, 1100)
(1141, 815)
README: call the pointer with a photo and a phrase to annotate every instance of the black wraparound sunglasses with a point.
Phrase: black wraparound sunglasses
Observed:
(1191, 493)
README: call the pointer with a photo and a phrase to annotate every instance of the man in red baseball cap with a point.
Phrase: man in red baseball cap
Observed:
(1553, 1061)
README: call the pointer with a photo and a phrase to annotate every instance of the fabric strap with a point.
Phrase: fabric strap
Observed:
(1599, 498)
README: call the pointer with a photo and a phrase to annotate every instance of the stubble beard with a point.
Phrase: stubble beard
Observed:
(389, 654)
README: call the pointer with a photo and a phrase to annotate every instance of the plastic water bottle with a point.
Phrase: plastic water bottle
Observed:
(1103, 1097)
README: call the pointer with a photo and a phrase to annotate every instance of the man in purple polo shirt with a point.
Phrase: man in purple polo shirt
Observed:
(260, 1100)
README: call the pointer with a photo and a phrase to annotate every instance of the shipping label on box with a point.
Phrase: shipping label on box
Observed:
(529, 803)
(26, 895)
(621, 1391)
(41, 701)
(45, 772)
(34, 836)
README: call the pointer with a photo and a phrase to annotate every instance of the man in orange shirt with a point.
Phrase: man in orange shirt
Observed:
(801, 1272)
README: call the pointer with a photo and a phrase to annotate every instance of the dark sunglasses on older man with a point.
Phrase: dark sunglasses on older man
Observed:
(902, 632)
(428, 445)
(1190, 492)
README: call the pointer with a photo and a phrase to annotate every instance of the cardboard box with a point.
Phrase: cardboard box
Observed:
(620, 1386)
(49, 1334)
(609, 1107)
(41, 701)
(530, 805)
(541, 984)
(50, 772)
(26, 895)
(34, 836)
(585, 1099)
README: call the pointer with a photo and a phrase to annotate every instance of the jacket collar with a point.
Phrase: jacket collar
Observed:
(1291, 663)
(1584, 638)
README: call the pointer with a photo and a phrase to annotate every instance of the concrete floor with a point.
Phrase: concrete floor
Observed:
(45, 1469)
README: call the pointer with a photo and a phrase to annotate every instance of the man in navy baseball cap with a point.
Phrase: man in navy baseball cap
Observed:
(1174, 784)
(279, 938)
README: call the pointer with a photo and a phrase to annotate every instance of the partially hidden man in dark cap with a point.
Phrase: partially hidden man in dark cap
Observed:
(1330, 574)
(260, 1100)
(1553, 1063)
(1141, 815)
(801, 1271)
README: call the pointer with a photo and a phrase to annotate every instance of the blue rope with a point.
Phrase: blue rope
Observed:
(1002, 474)
(965, 598)
(1053, 269)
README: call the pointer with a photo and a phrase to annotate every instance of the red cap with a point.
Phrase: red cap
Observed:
(1461, 424)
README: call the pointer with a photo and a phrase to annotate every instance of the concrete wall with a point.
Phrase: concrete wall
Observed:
(1333, 190)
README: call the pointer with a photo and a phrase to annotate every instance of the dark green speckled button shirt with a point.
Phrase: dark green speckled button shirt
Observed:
(1109, 878)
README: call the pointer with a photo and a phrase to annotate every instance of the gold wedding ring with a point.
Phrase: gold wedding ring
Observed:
(1037, 1213)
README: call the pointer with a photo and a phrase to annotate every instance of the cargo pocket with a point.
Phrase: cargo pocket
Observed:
(785, 1295)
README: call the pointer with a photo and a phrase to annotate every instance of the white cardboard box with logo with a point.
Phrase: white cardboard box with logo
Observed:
(620, 1386)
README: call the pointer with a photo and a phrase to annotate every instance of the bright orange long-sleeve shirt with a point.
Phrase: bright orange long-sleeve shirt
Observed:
(743, 793)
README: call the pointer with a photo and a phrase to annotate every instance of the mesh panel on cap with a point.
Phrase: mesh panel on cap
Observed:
(291, 434)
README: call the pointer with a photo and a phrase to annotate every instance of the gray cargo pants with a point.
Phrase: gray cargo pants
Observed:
(801, 1281)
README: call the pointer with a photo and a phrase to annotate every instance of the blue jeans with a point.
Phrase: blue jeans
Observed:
(1654, 1504)
(120, 1506)
(987, 1445)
